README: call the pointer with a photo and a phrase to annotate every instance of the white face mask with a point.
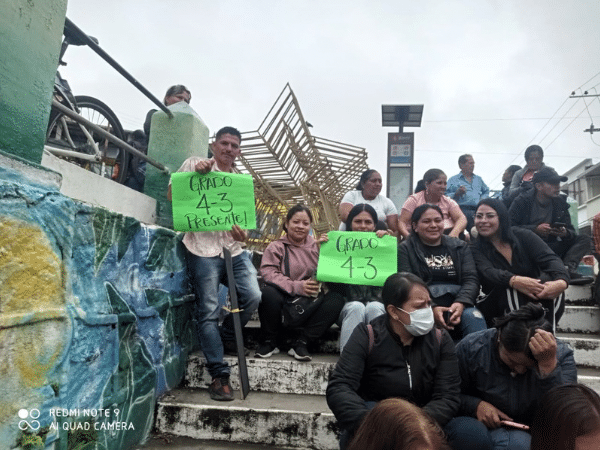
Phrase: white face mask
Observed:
(421, 321)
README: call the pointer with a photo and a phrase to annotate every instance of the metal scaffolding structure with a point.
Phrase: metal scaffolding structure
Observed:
(290, 165)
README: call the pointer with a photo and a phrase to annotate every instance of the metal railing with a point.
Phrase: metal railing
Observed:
(105, 134)
(75, 31)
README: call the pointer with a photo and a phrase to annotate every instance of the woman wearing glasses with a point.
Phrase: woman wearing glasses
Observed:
(515, 266)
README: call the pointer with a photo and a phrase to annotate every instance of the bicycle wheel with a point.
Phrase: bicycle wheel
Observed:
(65, 133)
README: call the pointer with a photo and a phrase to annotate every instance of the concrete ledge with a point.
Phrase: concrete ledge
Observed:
(579, 295)
(586, 348)
(33, 173)
(580, 319)
(88, 187)
(270, 419)
(279, 374)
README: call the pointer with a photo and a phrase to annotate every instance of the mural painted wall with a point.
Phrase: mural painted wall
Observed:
(95, 318)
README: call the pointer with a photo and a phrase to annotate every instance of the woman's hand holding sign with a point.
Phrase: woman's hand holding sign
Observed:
(360, 258)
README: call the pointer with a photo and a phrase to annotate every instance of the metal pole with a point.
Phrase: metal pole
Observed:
(90, 43)
(115, 140)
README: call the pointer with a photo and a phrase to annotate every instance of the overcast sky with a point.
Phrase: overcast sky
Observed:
(490, 73)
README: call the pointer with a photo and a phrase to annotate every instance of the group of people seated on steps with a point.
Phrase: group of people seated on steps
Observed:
(463, 332)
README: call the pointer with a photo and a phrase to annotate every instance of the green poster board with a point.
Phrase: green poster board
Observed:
(212, 202)
(354, 257)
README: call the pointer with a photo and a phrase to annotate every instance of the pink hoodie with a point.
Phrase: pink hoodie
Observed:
(302, 260)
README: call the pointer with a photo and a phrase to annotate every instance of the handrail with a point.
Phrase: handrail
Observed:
(112, 138)
(90, 43)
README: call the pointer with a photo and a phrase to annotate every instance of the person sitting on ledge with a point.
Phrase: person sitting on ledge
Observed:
(363, 303)
(515, 266)
(435, 186)
(446, 265)
(504, 372)
(545, 212)
(368, 191)
(466, 188)
(398, 354)
(288, 267)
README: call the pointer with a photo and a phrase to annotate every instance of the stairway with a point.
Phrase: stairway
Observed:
(286, 407)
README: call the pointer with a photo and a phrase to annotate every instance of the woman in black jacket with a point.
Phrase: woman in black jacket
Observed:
(399, 354)
(446, 265)
(504, 372)
(515, 266)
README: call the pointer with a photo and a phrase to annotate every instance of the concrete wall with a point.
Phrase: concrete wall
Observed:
(95, 313)
(30, 36)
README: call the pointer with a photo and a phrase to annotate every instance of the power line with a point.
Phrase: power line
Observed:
(494, 120)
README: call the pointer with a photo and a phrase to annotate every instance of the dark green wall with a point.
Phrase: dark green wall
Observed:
(30, 36)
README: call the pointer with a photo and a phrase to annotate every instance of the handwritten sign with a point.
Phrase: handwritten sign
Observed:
(213, 201)
(354, 257)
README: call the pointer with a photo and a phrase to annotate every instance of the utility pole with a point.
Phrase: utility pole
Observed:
(591, 129)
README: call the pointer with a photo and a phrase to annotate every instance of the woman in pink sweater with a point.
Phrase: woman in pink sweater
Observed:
(288, 267)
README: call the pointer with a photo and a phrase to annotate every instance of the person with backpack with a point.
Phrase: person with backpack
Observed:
(398, 354)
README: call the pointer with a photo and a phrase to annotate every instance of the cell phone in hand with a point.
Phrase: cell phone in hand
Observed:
(446, 316)
(518, 426)
(558, 225)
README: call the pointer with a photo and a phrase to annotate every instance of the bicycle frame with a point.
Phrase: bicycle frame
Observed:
(115, 140)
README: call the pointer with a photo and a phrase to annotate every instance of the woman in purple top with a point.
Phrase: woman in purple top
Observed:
(286, 280)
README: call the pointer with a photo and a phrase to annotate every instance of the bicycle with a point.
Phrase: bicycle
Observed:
(81, 144)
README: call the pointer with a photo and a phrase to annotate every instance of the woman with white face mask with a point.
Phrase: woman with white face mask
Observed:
(398, 354)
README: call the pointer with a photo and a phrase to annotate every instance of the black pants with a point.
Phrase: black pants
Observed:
(572, 250)
(501, 301)
(269, 313)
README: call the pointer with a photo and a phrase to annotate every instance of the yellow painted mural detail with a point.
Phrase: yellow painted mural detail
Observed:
(32, 297)
(30, 271)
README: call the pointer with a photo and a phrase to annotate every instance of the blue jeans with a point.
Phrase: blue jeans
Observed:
(207, 274)
(467, 433)
(354, 313)
(471, 321)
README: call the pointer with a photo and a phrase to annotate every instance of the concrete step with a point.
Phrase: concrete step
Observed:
(283, 374)
(279, 374)
(298, 421)
(172, 442)
(580, 319)
(590, 377)
(586, 348)
(579, 295)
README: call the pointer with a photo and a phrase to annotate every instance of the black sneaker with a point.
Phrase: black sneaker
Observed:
(220, 389)
(580, 280)
(266, 350)
(299, 351)
(230, 348)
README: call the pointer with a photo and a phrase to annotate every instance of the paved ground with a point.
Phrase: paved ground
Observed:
(170, 442)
